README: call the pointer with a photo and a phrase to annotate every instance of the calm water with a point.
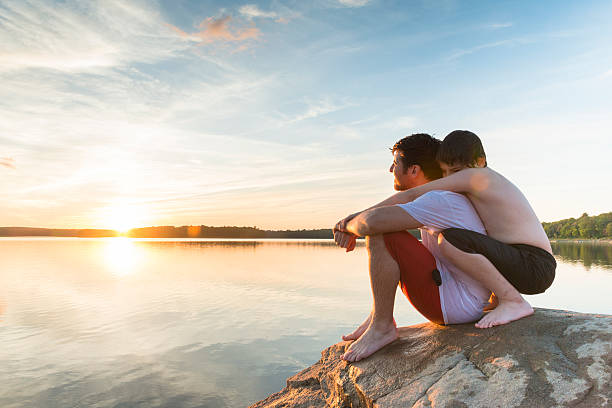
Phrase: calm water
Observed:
(122, 323)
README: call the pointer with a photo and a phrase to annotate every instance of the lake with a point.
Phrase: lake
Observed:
(199, 323)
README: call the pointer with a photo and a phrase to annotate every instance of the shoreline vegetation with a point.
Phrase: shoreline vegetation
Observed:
(587, 229)
(583, 228)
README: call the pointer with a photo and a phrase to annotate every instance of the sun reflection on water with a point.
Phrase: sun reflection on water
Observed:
(122, 256)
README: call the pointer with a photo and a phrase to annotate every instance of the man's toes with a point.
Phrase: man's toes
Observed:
(356, 356)
(349, 354)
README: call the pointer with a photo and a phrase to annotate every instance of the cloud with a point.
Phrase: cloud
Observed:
(403, 123)
(468, 51)
(322, 107)
(252, 11)
(354, 3)
(496, 26)
(7, 162)
(215, 30)
(73, 36)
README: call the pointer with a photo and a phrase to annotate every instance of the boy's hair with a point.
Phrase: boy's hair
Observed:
(461, 147)
(421, 149)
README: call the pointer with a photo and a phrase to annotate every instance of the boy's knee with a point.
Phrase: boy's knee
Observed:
(442, 242)
(445, 247)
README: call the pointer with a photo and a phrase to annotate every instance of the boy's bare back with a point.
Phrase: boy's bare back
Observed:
(503, 209)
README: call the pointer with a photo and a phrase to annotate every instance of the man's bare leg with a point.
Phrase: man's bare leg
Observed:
(384, 277)
(359, 330)
(512, 306)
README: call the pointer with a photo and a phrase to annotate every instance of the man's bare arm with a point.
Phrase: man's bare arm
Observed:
(381, 220)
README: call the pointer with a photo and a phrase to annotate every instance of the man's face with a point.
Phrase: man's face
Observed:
(401, 177)
(447, 169)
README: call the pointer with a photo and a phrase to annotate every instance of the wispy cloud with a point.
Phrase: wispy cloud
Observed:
(220, 30)
(497, 26)
(354, 3)
(319, 108)
(252, 11)
(7, 162)
(461, 53)
(73, 36)
(402, 123)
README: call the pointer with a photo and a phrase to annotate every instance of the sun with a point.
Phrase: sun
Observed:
(122, 217)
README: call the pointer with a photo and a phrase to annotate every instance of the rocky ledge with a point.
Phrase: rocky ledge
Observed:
(550, 359)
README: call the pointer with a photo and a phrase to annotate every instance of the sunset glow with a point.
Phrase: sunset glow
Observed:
(122, 218)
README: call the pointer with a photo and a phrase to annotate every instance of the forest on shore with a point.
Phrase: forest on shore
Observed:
(584, 227)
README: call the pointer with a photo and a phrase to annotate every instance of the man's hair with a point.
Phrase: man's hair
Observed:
(421, 149)
(461, 147)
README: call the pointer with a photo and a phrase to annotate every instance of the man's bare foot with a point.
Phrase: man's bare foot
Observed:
(372, 340)
(505, 312)
(493, 302)
(360, 330)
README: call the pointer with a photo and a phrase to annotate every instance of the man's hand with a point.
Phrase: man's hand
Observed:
(341, 225)
(343, 238)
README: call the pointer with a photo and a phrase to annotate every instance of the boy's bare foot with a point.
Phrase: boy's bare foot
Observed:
(360, 330)
(505, 312)
(493, 302)
(372, 340)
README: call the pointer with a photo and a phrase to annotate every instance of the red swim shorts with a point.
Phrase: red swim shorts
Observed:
(416, 267)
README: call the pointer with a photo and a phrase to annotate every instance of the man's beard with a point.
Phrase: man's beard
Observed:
(398, 187)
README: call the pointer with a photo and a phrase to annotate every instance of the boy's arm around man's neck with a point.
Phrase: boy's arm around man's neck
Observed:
(467, 181)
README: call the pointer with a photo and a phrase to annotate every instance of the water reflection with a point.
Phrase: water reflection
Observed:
(198, 323)
(586, 253)
(122, 256)
(246, 243)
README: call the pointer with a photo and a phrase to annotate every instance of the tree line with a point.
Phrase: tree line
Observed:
(587, 227)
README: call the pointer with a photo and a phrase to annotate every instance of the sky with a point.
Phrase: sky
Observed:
(280, 114)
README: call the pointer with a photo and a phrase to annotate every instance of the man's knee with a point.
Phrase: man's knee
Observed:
(374, 242)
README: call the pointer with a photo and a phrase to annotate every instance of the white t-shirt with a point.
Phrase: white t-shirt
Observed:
(462, 298)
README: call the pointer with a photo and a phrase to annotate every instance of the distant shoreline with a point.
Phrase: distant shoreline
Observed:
(185, 231)
(606, 241)
(203, 231)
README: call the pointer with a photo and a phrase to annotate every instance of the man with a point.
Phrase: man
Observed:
(515, 256)
(437, 289)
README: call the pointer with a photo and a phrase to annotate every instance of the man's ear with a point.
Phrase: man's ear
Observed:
(414, 170)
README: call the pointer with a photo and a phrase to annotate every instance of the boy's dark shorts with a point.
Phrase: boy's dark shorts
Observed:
(529, 269)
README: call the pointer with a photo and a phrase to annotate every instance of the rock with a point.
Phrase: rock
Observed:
(550, 359)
